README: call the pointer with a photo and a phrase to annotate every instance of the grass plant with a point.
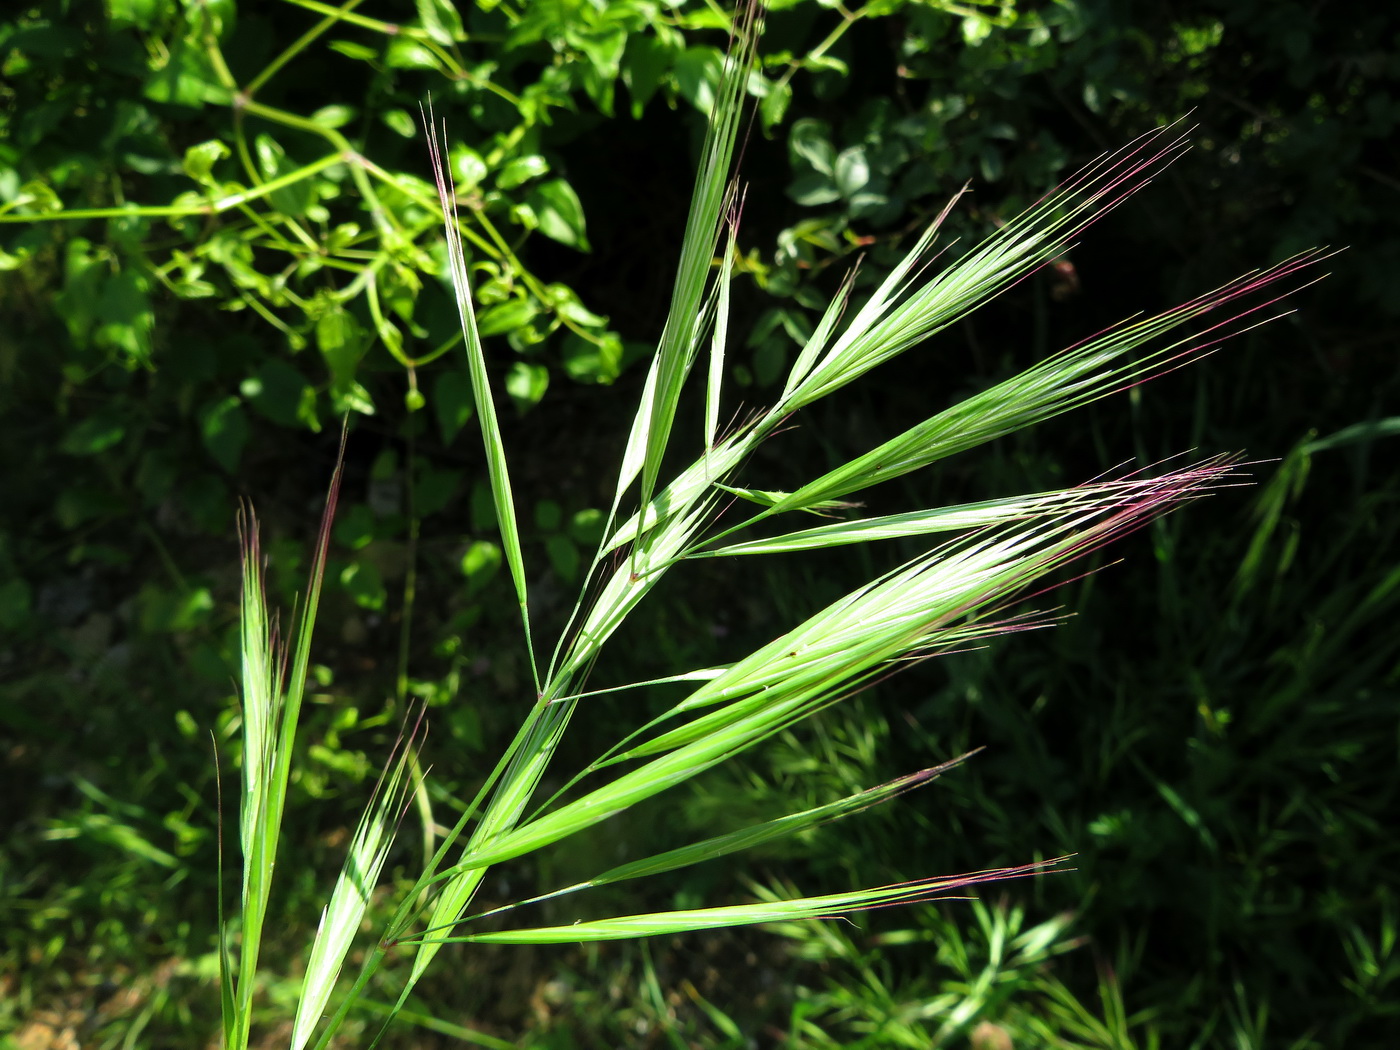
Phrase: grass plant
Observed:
(956, 594)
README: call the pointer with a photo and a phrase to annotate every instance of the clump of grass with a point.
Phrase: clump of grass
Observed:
(956, 593)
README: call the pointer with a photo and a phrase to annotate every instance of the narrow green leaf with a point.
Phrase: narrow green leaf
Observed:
(1067, 380)
(928, 522)
(708, 203)
(481, 390)
(351, 896)
(721, 333)
(770, 830)
(690, 921)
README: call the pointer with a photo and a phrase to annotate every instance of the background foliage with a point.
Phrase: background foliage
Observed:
(217, 237)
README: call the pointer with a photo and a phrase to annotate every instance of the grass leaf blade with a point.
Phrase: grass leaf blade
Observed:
(481, 388)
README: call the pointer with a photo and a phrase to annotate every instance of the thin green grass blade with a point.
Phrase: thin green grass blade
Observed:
(295, 686)
(271, 706)
(261, 694)
(959, 518)
(481, 388)
(545, 728)
(904, 312)
(715, 379)
(340, 921)
(260, 689)
(828, 906)
(1068, 380)
(676, 351)
(227, 1014)
(432, 875)
(748, 838)
(689, 487)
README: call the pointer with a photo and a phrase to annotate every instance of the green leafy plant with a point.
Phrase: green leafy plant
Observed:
(955, 594)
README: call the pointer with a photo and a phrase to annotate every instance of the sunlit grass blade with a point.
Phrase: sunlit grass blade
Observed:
(261, 696)
(295, 683)
(827, 906)
(771, 830)
(771, 498)
(713, 190)
(481, 387)
(1066, 381)
(895, 285)
(903, 312)
(715, 379)
(340, 921)
(630, 582)
(271, 707)
(747, 838)
(920, 607)
(957, 518)
(689, 487)
(820, 338)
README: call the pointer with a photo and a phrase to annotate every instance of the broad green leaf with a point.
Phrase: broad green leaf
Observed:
(93, 435)
(592, 361)
(356, 527)
(526, 383)
(224, 427)
(334, 116)
(851, 171)
(406, 53)
(452, 402)
(775, 104)
(399, 121)
(647, 58)
(698, 73)
(548, 515)
(656, 924)
(441, 20)
(479, 564)
(278, 391)
(351, 396)
(341, 339)
(468, 168)
(294, 198)
(813, 189)
(363, 582)
(559, 213)
(521, 170)
(564, 556)
(586, 526)
(508, 316)
(810, 140)
(434, 488)
(354, 49)
(185, 78)
(201, 158)
(137, 14)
